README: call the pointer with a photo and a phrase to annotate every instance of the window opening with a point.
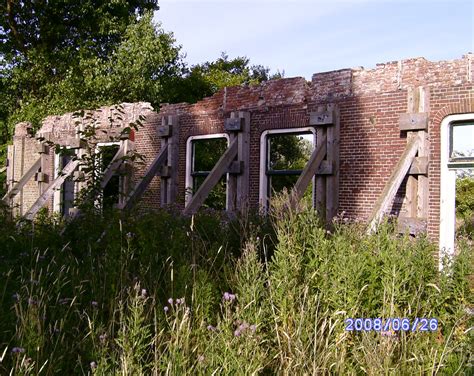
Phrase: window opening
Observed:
(65, 196)
(286, 153)
(111, 192)
(203, 154)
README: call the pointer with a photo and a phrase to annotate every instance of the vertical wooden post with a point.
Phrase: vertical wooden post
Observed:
(169, 132)
(238, 181)
(321, 135)
(332, 180)
(232, 179)
(243, 157)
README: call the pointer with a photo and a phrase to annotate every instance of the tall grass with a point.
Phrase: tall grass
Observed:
(164, 294)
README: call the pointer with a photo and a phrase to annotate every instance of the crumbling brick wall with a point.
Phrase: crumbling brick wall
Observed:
(370, 103)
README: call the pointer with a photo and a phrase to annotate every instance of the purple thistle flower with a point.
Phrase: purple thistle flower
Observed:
(226, 296)
(211, 328)
(253, 328)
(18, 350)
(170, 301)
(31, 301)
(237, 333)
(94, 304)
(166, 309)
(93, 365)
(103, 338)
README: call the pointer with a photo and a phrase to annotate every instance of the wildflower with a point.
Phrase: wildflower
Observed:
(180, 301)
(144, 293)
(211, 328)
(201, 358)
(93, 365)
(94, 304)
(18, 350)
(31, 301)
(103, 338)
(229, 297)
(253, 328)
(129, 235)
(170, 301)
(166, 309)
(237, 333)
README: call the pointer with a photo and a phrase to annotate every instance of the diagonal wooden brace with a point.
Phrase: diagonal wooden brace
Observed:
(39, 203)
(143, 184)
(309, 171)
(211, 180)
(393, 183)
(113, 165)
(23, 180)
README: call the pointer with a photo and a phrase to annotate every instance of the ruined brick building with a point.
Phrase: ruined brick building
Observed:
(380, 141)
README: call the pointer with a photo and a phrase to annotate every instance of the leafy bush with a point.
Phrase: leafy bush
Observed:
(162, 293)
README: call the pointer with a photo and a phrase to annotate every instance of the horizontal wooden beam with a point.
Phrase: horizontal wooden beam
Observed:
(309, 170)
(23, 180)
(414, 122)
(412, 226)
(393, 183)
(419, 166)
(211, 180)
(39, 203)
(139, 189)
(321, 118)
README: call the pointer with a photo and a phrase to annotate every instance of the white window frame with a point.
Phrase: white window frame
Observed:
(189, 164)
(97, 151)
(447, 220)
(57, 197)
(263, 186)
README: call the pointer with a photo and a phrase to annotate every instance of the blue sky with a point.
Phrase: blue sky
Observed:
(303, 37)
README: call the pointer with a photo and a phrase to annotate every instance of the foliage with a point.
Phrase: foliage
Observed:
(162, 293)
(465, 197)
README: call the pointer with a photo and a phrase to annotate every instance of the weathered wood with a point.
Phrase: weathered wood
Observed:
(243, 156)
(211, 180)
(39, 203)
(164, 172)
(413, 122)
(41, 177)
(325, 168)
(423, 182)
(419, 166)
(234, 124)
(320, 118)
(173, 160)
(332, 181)
(42, 148)
(412, 226)
(236, 168)
(113, 166)
(309, 170)
(393, 183)
(23, 180)
(145, 181)
(320, 189)
(164, 131)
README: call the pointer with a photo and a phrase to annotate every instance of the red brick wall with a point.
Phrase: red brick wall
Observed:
(370, 103)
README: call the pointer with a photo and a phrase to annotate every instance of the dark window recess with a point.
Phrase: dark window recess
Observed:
(287, 155)
(67, 188)
(111, 192)
(205, 154)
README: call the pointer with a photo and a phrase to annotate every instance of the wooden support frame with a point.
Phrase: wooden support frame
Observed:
(23, 180)
(169, 133)
(238, 184)
(211, 180)
(309, 171)
(39, 203)
(142, 185)
(394, 182)
(114, 164)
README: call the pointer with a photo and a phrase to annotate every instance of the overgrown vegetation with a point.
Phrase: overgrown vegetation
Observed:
(165, 294)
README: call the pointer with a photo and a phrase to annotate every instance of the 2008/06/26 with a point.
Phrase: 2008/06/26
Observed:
(421, 324)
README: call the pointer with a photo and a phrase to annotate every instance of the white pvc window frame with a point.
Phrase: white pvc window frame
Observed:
(57, 195)
(447, 220)
(263, 186)
(189, 164)
(97, 151)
